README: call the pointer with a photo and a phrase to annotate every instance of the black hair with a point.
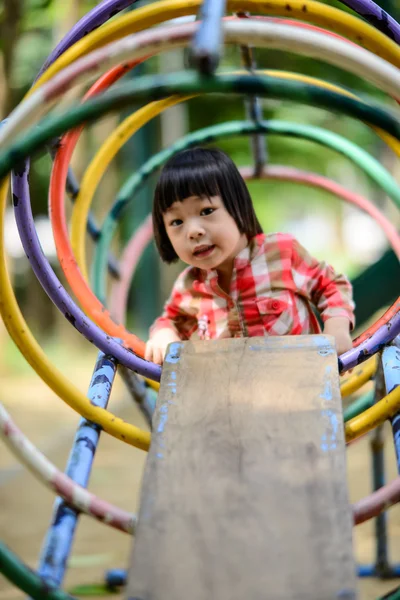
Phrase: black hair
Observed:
(201, 172)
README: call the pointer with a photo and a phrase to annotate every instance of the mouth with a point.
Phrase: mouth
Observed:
(203, 251)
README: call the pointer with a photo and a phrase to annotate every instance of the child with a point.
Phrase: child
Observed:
(240, 281)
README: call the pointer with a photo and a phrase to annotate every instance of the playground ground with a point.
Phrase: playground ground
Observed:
(25, 506)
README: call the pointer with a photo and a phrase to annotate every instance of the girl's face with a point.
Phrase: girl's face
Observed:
(203, 233)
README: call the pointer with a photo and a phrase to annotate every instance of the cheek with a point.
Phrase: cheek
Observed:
(231, 236)
(231, 230)
(173, 240)
(176, 241)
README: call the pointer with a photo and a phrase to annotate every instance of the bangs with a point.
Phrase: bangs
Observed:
(184, 181)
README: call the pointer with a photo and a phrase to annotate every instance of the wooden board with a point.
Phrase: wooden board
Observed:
(244, 493)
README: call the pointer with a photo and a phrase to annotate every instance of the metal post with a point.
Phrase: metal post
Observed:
(58, 542)
(208, 39)
(388, 377)
(139, 392)
(391, 369)
(378, 475)
(378, 469)
(254, 110)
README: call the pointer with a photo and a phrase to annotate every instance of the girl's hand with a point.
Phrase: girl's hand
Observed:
(156, 347)
(339, 328)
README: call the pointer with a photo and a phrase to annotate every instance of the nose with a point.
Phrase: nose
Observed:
(195, 230)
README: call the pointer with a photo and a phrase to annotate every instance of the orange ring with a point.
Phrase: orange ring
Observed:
(90, 303)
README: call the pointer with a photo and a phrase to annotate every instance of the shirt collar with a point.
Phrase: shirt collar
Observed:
(247, 255)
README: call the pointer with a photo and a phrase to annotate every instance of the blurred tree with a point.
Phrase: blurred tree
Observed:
(29, 29)
(10, 20)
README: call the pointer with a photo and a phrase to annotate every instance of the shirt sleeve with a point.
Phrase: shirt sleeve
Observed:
(331, 293)
(176, 314)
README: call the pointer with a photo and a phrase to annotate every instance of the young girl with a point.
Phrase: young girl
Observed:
(240, 282)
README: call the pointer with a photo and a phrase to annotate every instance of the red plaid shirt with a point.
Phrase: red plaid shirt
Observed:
(274, 284)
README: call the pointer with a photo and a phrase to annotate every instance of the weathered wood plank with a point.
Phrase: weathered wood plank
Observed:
(244, 492)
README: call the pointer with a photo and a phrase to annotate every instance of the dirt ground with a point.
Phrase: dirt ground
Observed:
(25, 506)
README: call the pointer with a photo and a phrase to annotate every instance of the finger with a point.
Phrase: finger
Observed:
(157, 356)
(148, 352)
(162, 354)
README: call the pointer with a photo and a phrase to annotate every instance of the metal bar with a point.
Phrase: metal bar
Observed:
(370, 571)
(58, 541)
(387, 378)
(208, 39)
(391, 370)
(378, 467)
(147, 403)
(378, 475)
(253, 109)
(25, 579)
(139, 391)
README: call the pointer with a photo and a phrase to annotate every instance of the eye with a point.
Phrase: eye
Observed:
(207, 211)
(176, 223)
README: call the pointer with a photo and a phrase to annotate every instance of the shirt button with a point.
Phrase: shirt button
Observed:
(274, 304)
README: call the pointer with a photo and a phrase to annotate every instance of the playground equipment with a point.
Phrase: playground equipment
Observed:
(101, 51)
